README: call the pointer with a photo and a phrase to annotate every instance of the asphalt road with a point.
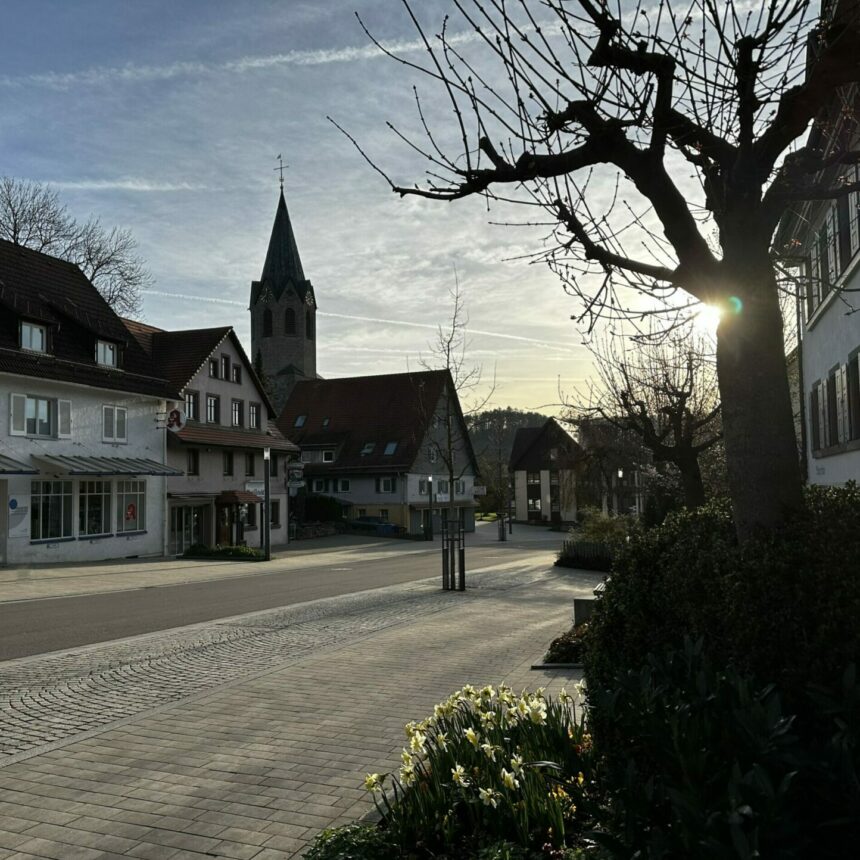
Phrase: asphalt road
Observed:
(39, 626)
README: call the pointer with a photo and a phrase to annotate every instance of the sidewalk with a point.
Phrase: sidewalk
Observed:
(254, 768)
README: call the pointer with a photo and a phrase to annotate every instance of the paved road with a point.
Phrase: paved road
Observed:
(37, 626)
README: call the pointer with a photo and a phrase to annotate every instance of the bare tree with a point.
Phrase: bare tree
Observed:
(32, 215)
(685, 113)
(449, 437)
(666, 393)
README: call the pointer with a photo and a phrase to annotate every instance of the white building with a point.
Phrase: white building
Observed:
(82, 439)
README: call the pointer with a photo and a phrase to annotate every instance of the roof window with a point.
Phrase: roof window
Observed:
(325, 423)
(34, 337)
(368, 448)
(390, 448)
(300, 420)
(105, 353)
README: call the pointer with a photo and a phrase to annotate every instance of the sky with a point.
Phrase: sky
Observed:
(166, 118)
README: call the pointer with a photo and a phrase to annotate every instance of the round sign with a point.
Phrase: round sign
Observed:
(131, 511)
(13, 503)
(175, 420)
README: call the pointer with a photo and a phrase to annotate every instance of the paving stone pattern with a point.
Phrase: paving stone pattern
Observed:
(253, 767)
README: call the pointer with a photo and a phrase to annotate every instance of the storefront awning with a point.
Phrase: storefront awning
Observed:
(8, 466)
(237, 497)
(104, 467)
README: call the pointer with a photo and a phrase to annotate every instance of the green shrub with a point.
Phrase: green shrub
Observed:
(782, 607)
(569, 647)
(352, 842)
(602, 528)
(710, 764)
(199, 550)
(488, 768)
(585, 555)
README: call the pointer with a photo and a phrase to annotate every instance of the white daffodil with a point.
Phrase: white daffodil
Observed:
(489, 751)
(442, 741)
(459, 776)
(373, 782)
(580, 688)
(407, 774)
(537, 711)
(565, 697)
(417, 742)
(406, 757)
(488, 718)
(489, 797)
(472, 737)
(509, 781)
(516, 764)
(488, 692)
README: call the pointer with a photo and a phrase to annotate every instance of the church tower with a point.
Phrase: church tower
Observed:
(283, 314)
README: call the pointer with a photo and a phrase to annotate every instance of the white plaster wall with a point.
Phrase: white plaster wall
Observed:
(145, 440)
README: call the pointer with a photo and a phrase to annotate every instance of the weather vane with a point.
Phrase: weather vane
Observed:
(281, 167)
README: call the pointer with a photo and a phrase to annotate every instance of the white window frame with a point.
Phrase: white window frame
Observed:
(107, 350)
(59, 416)
(237, 412)
(31, 327)
(328, 456)
(127, 493)
(368, 448)
(459, 487)
(115, 412)
(254, 416)
(319, 485)
(64, 498)
(86, 491)
(386, 485)
(192, 405)
(344, 485)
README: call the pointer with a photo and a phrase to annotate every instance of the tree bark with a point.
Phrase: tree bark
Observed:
(761, 452)
(691, 480)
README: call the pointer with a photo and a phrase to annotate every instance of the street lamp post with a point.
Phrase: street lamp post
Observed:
(430, 508)
(267, 504)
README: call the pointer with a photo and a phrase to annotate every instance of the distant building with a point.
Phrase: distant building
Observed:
(544, 464)
(229, 422)
(82, 438)
(374, 444)
(283, 315)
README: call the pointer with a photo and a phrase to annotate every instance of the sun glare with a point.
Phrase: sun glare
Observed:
(707, 319)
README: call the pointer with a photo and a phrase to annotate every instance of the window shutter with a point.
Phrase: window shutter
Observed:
(845, 424)
(17, 414)
(832, 252)
(837, 379)
(814, 278)
(121, 432)
(854, 210)
(814, 416)
(64, 419)
(107, 423)
(823, 429)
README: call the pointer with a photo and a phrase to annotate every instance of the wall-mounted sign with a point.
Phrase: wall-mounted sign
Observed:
(131, 511)
(480, 490)
(13, 503)
(175, 420)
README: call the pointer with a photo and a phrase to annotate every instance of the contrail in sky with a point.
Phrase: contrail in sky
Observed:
(381, 321)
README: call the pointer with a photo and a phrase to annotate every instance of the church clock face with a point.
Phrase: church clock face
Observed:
(309, 301)
(266, 295)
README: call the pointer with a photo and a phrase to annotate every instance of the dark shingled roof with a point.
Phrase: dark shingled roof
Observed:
(283, 267)
(47, 290)
(209, 434)
(396, 407)
(532, 445)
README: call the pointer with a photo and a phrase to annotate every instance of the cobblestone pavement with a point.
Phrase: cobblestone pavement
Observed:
(242, 738)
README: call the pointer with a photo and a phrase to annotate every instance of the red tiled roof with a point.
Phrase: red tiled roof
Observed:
(396, 407)
(225, 437)
(54, 292)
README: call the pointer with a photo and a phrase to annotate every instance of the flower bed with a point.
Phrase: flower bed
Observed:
(569, 647)
(488, 775)
(236, 553)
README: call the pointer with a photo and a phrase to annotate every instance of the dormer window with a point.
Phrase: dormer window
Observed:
(390, 448)
(34, 337)
(368, 448)
(325, 423)
(106, 353)
(300, 421)
(328, 456)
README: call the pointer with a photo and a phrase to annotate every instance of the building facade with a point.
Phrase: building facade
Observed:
(82, 431)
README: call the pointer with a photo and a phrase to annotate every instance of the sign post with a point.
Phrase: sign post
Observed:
(267, 505)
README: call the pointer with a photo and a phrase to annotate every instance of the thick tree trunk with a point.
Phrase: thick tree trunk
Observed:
(758, 425)
(691, 480)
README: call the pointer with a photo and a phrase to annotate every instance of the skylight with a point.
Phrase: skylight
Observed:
(300, 421)
(368, 448)
(390, 448)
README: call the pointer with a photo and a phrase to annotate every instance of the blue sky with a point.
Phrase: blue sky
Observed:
(166, 117)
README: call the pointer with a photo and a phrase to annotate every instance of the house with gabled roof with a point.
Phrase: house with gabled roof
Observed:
(543, 468)
(374, 442)
(82, 438)
(226, 425)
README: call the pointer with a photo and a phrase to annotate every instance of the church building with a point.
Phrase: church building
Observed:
(283, 315)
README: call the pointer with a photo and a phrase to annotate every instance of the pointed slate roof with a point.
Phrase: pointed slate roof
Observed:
(283, 267)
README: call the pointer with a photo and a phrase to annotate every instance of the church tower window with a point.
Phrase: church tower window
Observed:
(267, 323)
(289, 321)
(309, 325)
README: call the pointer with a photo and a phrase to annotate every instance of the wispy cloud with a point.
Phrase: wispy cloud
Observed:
(132, 73)
(126, 184)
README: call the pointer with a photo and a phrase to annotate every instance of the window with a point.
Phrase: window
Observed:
(192, 405)
(386, 485)
(250, 464)
(442, 487)
(94, 499)
(306, 457)
(383, 514)
(390, 448)
(236, 373)
(237, 409)
(823, 263)
(114, 420)
(254, 415)
(213, 408)
(833, 409)
(460, 488)
(289, 321)
(131, 506)
(432, 454)
(267, 323)
(213, 368)
(816, 413)
(300, 420)
(368, 448)
(319, 485)
(34, 337)
(843, 227)
(228, 464)
(534, 504)
(192, 462)
(532, 477)
(344, 485)
(853, 391)
(273, 465)
(309, 325)
(50, 510)
(325, 423)
(39, 414)
(225, 367)
(106, 353)
(422, 487)
(251, 517)
(553, 454)
(275, 518)
(328, 456)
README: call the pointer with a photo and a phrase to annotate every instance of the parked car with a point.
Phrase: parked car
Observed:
(375, 525)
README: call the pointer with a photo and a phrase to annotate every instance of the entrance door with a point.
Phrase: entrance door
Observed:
(4, 518)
